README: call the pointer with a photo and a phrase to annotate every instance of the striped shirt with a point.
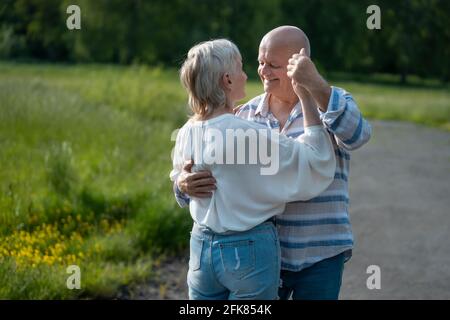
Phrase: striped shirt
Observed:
(320, 228)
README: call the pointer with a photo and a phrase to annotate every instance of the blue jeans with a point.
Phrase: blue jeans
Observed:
(321, 281)
(240, 265)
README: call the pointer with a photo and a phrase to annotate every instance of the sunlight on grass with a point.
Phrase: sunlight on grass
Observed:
(85, 154)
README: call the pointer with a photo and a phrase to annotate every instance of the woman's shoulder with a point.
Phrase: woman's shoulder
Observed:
(246, 124)
(184, 130)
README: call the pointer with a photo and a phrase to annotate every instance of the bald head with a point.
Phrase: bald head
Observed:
(288, 37)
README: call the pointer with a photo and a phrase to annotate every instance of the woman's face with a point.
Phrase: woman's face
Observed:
(238, 79)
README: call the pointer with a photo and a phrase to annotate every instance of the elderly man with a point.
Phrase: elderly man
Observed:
(315, 236)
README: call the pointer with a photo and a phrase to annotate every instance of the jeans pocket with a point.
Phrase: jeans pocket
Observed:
(195, 258)
(238, 257)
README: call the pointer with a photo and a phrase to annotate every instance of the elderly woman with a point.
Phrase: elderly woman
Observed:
(234, 248)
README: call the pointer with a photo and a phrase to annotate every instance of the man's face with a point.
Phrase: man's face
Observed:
(272, 70)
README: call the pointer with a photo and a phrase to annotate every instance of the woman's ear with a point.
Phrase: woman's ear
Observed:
(226, 81)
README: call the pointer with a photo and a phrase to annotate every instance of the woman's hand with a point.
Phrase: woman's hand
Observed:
(301, 91)
(309, 108)
(302, 71)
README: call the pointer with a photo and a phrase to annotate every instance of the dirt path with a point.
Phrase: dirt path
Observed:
(400, 213)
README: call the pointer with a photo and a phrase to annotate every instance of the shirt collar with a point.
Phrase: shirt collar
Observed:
(297, 110)
(263, 107)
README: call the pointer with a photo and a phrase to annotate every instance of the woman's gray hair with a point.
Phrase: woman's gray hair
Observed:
(202, 71)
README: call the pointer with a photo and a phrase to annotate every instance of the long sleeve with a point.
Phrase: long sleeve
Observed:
(181, 198)
(178, 157)
(306, 168)
(345, 121)
(250, 192)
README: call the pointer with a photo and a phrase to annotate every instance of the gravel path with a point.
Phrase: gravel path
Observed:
(400, 213)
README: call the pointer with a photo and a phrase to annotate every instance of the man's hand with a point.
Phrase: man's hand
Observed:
(198, 184)
(304, 73)
(302, 70)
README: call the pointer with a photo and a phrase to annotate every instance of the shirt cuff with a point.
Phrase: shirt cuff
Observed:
(314, 129)
(182, 199)
(336, 106)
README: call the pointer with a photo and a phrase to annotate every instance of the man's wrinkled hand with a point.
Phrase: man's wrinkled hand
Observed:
(302, 71)
(198, 184)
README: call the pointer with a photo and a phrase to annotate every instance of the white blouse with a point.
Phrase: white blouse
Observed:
(255, 175)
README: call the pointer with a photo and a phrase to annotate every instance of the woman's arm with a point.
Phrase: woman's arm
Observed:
(310, 114)
(296, 170)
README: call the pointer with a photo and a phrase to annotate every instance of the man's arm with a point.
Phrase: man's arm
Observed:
(343, 118)
(181, 198)
(339, 112)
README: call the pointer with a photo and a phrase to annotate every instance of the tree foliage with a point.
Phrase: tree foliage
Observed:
(414, 36)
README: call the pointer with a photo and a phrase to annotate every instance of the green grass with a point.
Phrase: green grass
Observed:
(427, 106)
(85, 157)
(92, 142)
(383, 98)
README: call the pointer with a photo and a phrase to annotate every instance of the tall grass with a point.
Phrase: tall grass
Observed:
(85, 153)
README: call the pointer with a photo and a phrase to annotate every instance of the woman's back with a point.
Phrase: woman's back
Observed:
(257, 170)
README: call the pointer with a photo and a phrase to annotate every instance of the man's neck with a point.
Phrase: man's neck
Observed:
(282, 104)
(281, 108)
